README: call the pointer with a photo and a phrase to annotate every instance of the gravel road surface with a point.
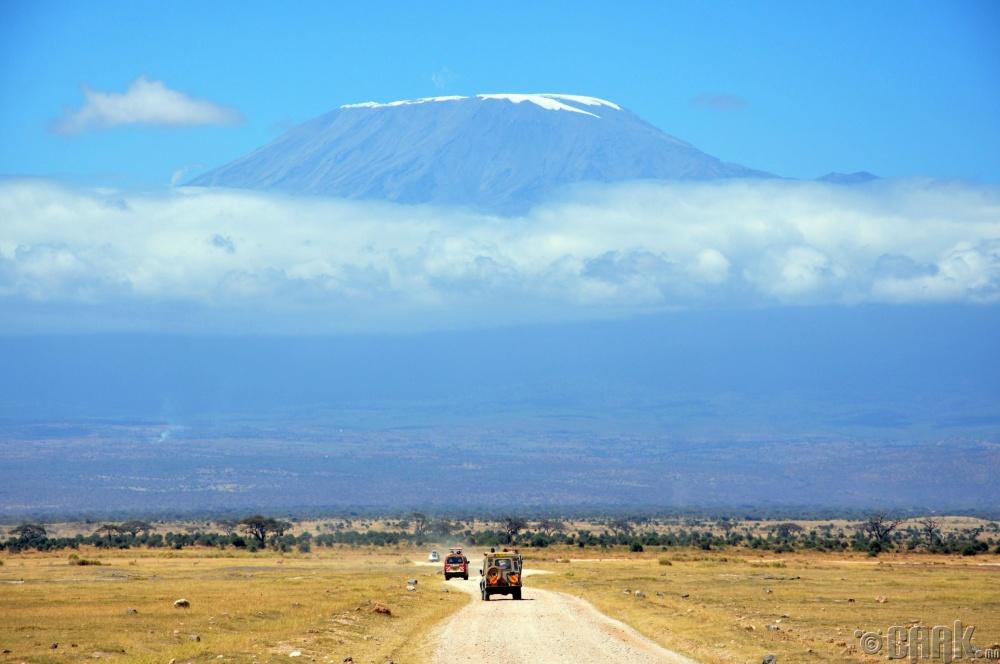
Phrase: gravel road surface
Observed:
(545, 627)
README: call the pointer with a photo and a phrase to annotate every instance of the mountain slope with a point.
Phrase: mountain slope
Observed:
(497, 152)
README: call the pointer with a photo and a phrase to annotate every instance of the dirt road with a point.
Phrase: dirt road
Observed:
(545, 627)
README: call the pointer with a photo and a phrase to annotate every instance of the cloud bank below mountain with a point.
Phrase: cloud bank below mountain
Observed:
(225, 260)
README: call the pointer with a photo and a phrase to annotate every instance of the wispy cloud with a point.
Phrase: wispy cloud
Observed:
(330, 264)
(145, 102)
(720, 102)
(443, 77)
(179, 174)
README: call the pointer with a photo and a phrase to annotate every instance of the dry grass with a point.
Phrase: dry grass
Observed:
(261, 607)
(244, 607)
(732, 598)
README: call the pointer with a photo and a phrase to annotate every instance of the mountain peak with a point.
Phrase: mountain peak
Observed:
(497, 152)
(548, 101)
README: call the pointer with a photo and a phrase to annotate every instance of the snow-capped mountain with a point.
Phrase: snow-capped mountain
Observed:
(500, 152)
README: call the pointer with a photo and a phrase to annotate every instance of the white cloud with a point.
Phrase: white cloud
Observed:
(711, 266)
(313, 264)
(146, 102)
(443, 78)
(795, 272)
(179, 174)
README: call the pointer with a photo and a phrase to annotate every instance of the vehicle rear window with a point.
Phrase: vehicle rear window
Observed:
(455, 560)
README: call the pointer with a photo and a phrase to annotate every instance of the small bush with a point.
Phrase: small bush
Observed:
(664, 561)
(84, 562)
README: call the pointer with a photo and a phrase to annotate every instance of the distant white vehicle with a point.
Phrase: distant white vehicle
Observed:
(434, 557)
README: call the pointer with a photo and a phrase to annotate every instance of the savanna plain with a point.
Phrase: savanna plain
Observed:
(326, 604)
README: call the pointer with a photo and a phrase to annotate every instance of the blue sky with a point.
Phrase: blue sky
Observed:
(799, 89)
(99, 241)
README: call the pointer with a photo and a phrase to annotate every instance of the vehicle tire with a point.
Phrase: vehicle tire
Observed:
(517, 593)
(486, 596)
(465, 577)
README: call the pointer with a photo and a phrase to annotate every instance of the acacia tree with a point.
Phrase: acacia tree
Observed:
(281, 527)
(786, 530)
(972, 534)
(227, 526)
(135, 527)
(550, 526)
(109, 529)
(259, 526)
(512, 525)
(419, 523)
(621, 526)
(443, 526)
(931, 531)
(28, 532)
(877, 528)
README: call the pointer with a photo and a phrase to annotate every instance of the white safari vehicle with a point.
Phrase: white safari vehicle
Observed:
(434, 557)
(501, 574)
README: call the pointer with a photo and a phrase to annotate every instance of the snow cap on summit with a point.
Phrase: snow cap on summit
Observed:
(548, 101)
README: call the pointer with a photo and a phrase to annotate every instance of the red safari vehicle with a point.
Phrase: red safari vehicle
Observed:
(456, 564)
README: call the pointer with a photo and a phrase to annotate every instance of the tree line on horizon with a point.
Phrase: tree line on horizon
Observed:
(877, 533)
